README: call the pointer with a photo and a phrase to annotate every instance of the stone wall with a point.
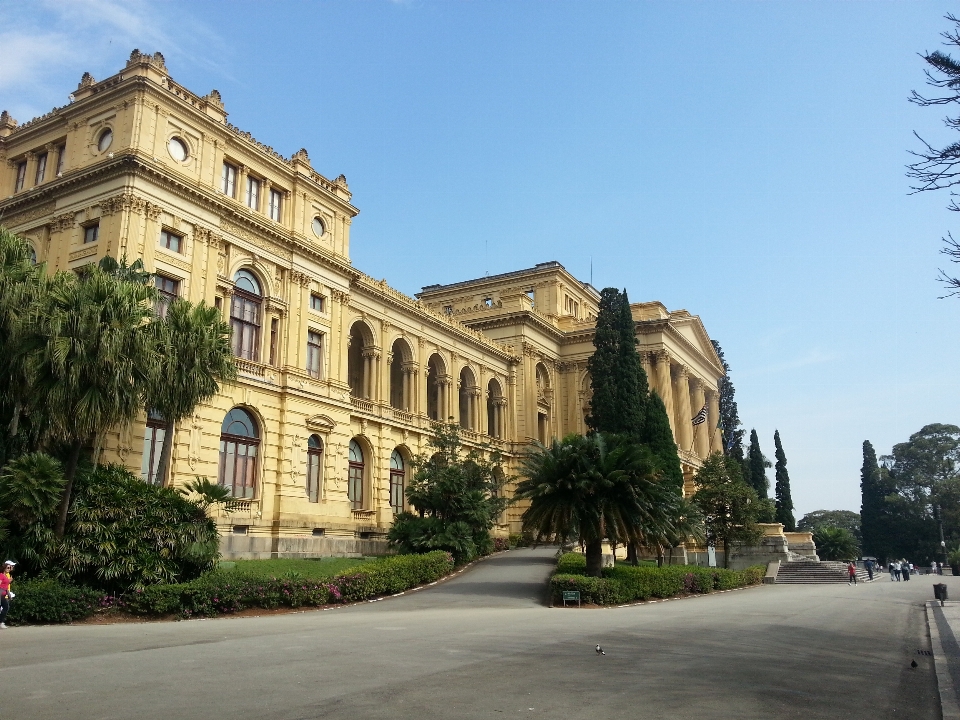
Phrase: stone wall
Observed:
(247, 547)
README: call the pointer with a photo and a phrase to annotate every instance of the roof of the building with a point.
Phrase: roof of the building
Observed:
(539, 267)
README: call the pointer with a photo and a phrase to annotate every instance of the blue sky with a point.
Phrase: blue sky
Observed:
(741, 160)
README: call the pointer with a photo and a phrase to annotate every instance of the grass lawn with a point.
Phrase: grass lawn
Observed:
(309, 569)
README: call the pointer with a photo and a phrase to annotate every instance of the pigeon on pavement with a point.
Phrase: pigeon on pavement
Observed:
(600, 650)
(913, 663)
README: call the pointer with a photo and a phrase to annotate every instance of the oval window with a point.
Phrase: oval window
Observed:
(178, 149)
(106, 137)
(318, 228)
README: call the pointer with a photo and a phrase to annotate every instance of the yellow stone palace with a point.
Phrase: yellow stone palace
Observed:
(341, 375)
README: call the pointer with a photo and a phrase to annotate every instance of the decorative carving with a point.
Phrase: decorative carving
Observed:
(66, 221)
(84, 252)
(86, 80)
(28, 215)
(196, 432)
(301, 278)
(125, 441)
(128, 201)
(301, 156)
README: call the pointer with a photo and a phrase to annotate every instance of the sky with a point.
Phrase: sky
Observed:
(740, 160)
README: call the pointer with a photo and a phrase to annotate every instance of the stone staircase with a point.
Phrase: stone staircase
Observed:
(804, 572)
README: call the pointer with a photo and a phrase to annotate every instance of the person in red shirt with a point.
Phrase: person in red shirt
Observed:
(852, 571)
(5, 595)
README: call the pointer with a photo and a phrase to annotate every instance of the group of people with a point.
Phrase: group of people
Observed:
(901, 569)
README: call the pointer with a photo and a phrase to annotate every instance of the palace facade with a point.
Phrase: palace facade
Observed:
(341, 375)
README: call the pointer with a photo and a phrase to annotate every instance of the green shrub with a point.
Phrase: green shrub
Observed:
(625, 583)
(228, 591)
(48, 601)
(121, 533)
(572, 564)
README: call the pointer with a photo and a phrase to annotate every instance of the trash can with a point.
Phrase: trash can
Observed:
(940, 592)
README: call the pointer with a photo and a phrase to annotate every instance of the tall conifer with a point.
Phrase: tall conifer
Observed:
(784, 500)
(757, 465)
(617, 378)
(729, 416)
(873, 512)
(659, 438)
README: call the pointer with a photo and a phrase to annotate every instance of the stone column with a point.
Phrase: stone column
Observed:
(368, 379)
(701, 431)
(241, 188)
(683, 414)
(265, 186)
(713, 419)
(664, 385)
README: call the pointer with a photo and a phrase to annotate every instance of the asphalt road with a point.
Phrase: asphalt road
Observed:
(484, 645)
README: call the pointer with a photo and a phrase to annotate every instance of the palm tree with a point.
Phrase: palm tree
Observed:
(593, 488)
(90, 356)
(195, 359)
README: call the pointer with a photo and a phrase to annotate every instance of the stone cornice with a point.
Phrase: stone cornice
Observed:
(520, 317)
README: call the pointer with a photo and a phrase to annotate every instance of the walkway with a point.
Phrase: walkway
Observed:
(484, 646)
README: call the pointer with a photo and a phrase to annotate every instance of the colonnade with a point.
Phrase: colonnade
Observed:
(684, 395)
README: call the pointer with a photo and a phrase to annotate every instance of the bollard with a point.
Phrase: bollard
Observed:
(940, 592)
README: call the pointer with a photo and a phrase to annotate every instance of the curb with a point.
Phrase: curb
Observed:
(669, 599)
(945, 686)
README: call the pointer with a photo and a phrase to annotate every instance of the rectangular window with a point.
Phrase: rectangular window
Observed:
(21, 176)
(275, 205)
(314, 353)
(152, 445)
(274, 339)
(91, 233)
(317, 302)
(171, 241)
(41, 169)
(253, 193)
(228, 180)
(61, 159)
(169, 290)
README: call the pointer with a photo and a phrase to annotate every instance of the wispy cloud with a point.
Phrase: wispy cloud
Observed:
(43, 40)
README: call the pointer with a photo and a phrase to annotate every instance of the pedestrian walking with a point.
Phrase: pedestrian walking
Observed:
(890, 568)
(852, 572)
(939, 568)
(869, 565)
(905, 572)
(933, 568)
(6, 577)
(897, 569)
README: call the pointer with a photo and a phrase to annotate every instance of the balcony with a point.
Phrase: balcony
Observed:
(249, 368)
(366, 406)
(403, 416)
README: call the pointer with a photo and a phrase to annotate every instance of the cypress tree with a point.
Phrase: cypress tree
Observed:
(873, 505)
(617, 378)
(729, 416)
(659, 438)
(757, 465)
(784, 500)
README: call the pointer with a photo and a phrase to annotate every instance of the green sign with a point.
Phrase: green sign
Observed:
(571, 595)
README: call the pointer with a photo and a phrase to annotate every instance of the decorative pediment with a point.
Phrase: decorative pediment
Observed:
(321, 423)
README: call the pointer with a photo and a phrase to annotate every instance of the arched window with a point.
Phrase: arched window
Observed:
(401, 376)
(239, 447)
(33, 254)
(361, 365)
(355, 476)
(396, 482)
(245, 311)
(314, 467)
(152, 445)
(468, 399)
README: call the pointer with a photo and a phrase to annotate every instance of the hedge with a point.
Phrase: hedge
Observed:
(623, 584)
(49, 601)
(225, 592)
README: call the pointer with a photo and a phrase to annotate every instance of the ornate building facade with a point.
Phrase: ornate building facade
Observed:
(341, 376)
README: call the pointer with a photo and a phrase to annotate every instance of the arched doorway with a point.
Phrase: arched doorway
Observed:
(495, 407)
(436, 384)
(401, 376)
(468, 399)
(361, 362)
(355, 476)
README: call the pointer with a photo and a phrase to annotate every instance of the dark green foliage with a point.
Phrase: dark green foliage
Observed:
(120, 533)
(835, 543)
(30, 490)
(846, 519)
(875, 514)
(225, 592)
(617, 378)
(729, 415)
(659, 438)
(596, 487)
(757, 464)
(729, 505)
(49, 601)
(784, 499)
(623, 584)
(457, 499)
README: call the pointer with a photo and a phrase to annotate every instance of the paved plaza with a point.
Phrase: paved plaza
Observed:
(484, 645)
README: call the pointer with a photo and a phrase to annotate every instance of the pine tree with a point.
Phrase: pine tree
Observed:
(873, 511)
(659, 438)
(784, 500)
(617, 378)
(757, 464)
(729, 416)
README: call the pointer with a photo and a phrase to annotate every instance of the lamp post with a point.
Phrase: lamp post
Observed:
(943, 545)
